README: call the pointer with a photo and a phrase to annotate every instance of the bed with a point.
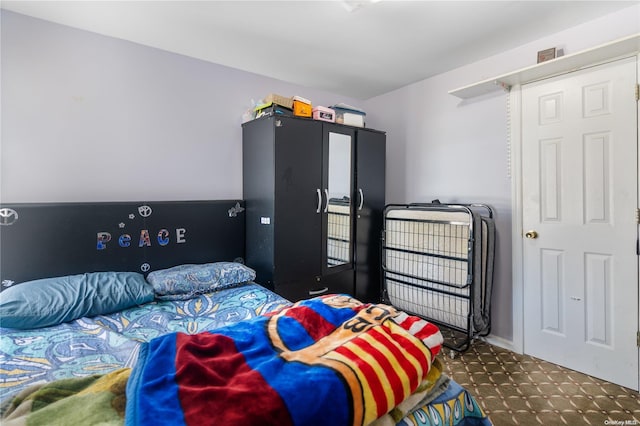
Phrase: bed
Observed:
(193, 339)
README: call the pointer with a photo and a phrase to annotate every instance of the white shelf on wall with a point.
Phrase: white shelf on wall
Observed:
(626, 46)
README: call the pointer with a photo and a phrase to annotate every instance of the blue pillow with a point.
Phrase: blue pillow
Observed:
(52, 301)
(186, 281)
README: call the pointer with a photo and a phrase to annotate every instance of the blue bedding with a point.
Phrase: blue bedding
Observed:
(101, 344)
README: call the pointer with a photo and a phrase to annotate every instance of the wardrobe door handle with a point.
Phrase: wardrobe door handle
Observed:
(319, 200)
(361, 199)
(326, 205)
(318, 291)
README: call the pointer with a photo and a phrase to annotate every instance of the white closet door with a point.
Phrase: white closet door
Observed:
(580, 194)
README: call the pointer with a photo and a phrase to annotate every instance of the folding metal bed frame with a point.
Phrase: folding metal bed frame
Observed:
(438, 264)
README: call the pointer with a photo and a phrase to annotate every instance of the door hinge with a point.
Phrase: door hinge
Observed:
(637, 92)
(638, 216)
(638, 339)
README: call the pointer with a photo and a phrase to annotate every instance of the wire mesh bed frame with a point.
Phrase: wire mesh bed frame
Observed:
(437, 263)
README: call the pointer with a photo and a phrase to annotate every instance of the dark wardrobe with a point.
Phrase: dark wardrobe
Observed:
(314, 193)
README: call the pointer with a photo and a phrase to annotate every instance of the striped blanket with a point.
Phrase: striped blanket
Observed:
(331, 360)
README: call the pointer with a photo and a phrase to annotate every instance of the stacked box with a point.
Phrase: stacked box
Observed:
(301, 107)
(273, 98)
(266, 110)
(324, 114)
(348, 115)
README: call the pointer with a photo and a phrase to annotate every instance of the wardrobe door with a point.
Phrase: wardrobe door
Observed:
(298, 196)
(258, 192)
(370, 202)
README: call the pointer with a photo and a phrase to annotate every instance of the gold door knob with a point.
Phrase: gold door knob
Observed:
(531, 234)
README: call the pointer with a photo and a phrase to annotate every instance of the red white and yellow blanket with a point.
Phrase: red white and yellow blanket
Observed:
(330, 360)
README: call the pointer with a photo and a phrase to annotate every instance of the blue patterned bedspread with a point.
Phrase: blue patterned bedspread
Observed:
(455, 407)
(101, 344)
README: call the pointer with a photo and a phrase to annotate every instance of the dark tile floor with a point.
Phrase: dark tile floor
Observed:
(518, 389)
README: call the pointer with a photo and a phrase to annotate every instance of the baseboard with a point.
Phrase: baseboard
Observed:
(500, 342)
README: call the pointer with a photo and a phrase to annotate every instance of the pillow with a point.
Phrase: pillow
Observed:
(51, 301)
(186, 281)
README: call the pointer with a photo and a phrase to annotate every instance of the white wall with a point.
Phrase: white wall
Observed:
(92, 118)
(457, 151)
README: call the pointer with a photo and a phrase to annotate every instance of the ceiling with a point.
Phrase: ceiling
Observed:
(358, 49)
